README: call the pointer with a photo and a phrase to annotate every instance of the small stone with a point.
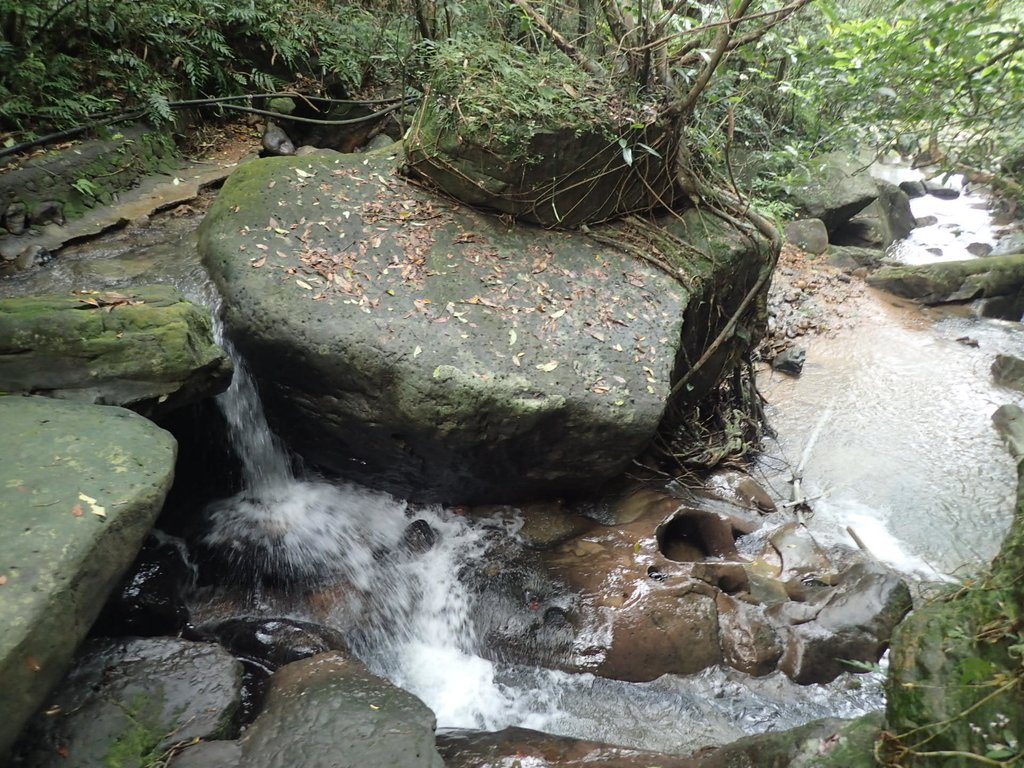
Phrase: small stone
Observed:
(842, 277)
(790, 361)
(913, 188)
(16, 218)
(275, 141)
(979, 249)
(50, 212)
(935, 189)
(927, 221)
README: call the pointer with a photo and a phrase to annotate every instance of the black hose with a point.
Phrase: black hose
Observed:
(396, 103)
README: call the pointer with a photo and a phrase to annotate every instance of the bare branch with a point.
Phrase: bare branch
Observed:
(722, 39)
(555, 37)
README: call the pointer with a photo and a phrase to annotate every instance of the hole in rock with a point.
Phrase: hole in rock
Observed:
(693, 535)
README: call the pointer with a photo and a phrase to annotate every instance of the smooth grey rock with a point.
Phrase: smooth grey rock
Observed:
(209, 754)
(328, 711)
(954, 281)
(125, 702)
(790, 360)
(854, 257)
(807, 234)
(80, 487)
(380, 141)
(48, 212)
(275, 141)
(882, 223)
(837, 189)
(927, 221)
(979, 249)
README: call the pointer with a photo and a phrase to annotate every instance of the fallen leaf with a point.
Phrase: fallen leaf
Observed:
(302, 174)
(77, 510)
(417, 352)
(3, 580)
(256, 264)
(558, 314)
(95, 508)
(303, 284)
(512, 337)
(547, 367)
(32, 664)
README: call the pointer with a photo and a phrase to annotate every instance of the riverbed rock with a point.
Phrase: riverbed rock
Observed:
(1008, 371)
(838, 188)
(148, 349)
(437, 353)
(274, 642)
(126, 702)
(790, 360)
(328, 711)
(807, 234)
(509, 746)
(954, 281)
(913, 188)
(854, 257)
(938, 189)
(880, 224)
(80, 487)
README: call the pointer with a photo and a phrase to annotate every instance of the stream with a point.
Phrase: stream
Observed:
(889, 425)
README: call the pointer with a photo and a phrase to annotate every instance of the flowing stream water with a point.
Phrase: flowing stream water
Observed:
(889, 425)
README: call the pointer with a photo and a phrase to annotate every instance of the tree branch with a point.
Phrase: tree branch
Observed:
(722, 39)
(555, 37)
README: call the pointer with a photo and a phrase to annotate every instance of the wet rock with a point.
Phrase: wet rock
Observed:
(927, 221)
(740, 488)
(1008, 371)
(512, 746)
(939, 190)
(913, 189)
(807, 234)
(749, 642)
(126, 702)
(790, 360)
(148, 349)
(48, 212)
(671, 630)
(418, 537)
(28, 258)
(855, 624)
(882, 223)
(328, 711)
(209, 754)
(84, 484)
(275, 141)
(694, 535)
(1009, 421)
(15, 219)
(283, 105)
(979, 249)
(273, 643)
(150, 599)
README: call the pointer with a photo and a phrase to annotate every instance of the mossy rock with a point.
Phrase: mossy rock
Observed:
(531, 135)
(954, 281)
(147, 349)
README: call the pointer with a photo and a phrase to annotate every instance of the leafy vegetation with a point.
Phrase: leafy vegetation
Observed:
(63, 61)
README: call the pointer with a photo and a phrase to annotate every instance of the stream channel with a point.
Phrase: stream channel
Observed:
(889, 425)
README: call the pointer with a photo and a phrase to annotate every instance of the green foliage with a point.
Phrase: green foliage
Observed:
(62, 60)
(502, 93)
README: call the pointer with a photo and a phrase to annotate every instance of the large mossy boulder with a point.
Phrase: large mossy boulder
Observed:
(955, 685)
(147, 349)
(80, 487)
(442, 354)
(532, 135)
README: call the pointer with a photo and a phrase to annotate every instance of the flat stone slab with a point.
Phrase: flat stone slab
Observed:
(80, 487)
(445, 355)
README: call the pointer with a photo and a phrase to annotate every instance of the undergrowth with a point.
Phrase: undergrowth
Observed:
(64, 60)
